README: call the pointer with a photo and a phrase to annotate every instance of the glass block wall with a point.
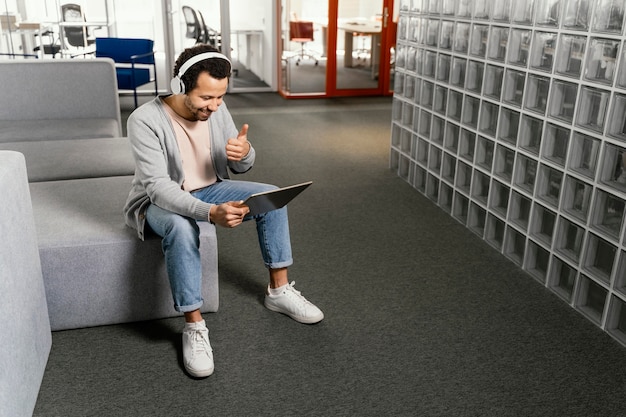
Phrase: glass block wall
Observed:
(511, 116)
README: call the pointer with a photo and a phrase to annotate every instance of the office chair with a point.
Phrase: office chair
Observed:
(77, 36)
(210, 35)
(133, 59)
(195, 30)
(301, 31)
(363, 52)
(53, 47)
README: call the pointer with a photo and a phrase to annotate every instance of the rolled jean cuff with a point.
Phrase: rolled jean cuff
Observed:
(278, 265)
(187, 309)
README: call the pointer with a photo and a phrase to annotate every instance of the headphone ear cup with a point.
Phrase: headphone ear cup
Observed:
(177, 86)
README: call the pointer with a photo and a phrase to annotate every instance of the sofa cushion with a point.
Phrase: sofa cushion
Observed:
(24, 324)
(34, 130)
(51, 160)
(96, 270)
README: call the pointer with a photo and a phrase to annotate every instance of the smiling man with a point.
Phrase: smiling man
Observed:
(185, 146)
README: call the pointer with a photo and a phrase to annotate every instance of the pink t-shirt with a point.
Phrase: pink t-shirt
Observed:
(194, 144)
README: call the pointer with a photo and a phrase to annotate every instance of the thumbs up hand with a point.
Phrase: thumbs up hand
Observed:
(237, 148)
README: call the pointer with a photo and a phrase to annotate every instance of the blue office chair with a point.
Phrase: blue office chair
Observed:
(133, 59)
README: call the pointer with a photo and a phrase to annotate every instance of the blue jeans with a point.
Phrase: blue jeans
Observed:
(181, 241)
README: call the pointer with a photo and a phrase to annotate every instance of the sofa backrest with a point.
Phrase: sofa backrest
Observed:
(58, 89)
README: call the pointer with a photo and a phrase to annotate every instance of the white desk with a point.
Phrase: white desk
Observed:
(30, 31)
(85, 25)
(360, 26)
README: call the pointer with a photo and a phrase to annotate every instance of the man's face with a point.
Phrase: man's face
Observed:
(206, 97)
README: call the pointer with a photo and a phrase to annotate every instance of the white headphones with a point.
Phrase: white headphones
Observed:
(177, 85)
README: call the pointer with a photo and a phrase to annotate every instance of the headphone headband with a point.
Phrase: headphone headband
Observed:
(177, 85)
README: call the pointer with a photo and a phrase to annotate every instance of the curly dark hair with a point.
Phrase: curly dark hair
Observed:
(217, 68)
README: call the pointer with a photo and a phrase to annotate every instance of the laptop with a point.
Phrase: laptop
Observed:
(260, 203)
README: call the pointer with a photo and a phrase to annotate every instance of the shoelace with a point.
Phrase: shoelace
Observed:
(296, 295)
(199, 343)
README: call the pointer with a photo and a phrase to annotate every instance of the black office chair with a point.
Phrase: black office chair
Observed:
(52, 47)
(210, 35)
(195, 30)
(76, 36)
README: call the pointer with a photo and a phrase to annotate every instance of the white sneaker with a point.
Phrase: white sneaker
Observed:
(197, 351)
(293, 304)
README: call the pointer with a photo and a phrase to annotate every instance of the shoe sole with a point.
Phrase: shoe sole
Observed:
(200, 374)
(299, 319)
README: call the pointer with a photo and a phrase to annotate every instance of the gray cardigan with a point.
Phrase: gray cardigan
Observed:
(158, 167)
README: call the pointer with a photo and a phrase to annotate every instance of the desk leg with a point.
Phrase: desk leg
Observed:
(348, 48)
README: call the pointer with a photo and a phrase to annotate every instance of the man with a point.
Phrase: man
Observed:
(184, 145)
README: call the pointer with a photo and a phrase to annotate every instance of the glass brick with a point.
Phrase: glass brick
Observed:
(555, 144)
(484, 153)
(467, 145)
(478, 41)
(548, 12)
(563, 279)
(584, 155)
(608, 214)
(601, 60)
(463, 180)
(519, 47)
(455, 105)
(458, 71)
(498, 40)
(577, 198)
(537, 91)
(474, 81)
(499, 197)
(451, 136)
(571, 53)
(549, 185)
(514, 82)
(563, 100)
(577, 14)
(599, 259)
(519, 213)
(608, 16)
(543, 222)
(525, 173)
(461, 37)
(617, 121)
(537, 261)
(544, 46)
(492, 86)
(569, 240)
(488, 118)
(508, 126)
(592, 108)
(530, 134)
(591, 299)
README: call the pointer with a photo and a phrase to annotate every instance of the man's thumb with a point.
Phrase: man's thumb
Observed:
(243, 131)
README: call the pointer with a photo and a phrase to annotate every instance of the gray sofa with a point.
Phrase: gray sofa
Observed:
(58, 99)
(24, 323)
(64, 117)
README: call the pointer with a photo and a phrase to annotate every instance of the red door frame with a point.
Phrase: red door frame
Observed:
(387, 40)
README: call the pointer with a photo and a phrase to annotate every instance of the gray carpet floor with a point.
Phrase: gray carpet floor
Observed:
(423, 318)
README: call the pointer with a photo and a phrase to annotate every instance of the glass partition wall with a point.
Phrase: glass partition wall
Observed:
(243, 29)
(511, 116)
(336, 48)
(350, 49)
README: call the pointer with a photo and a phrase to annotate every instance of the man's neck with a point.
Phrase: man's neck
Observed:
(177, 103)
